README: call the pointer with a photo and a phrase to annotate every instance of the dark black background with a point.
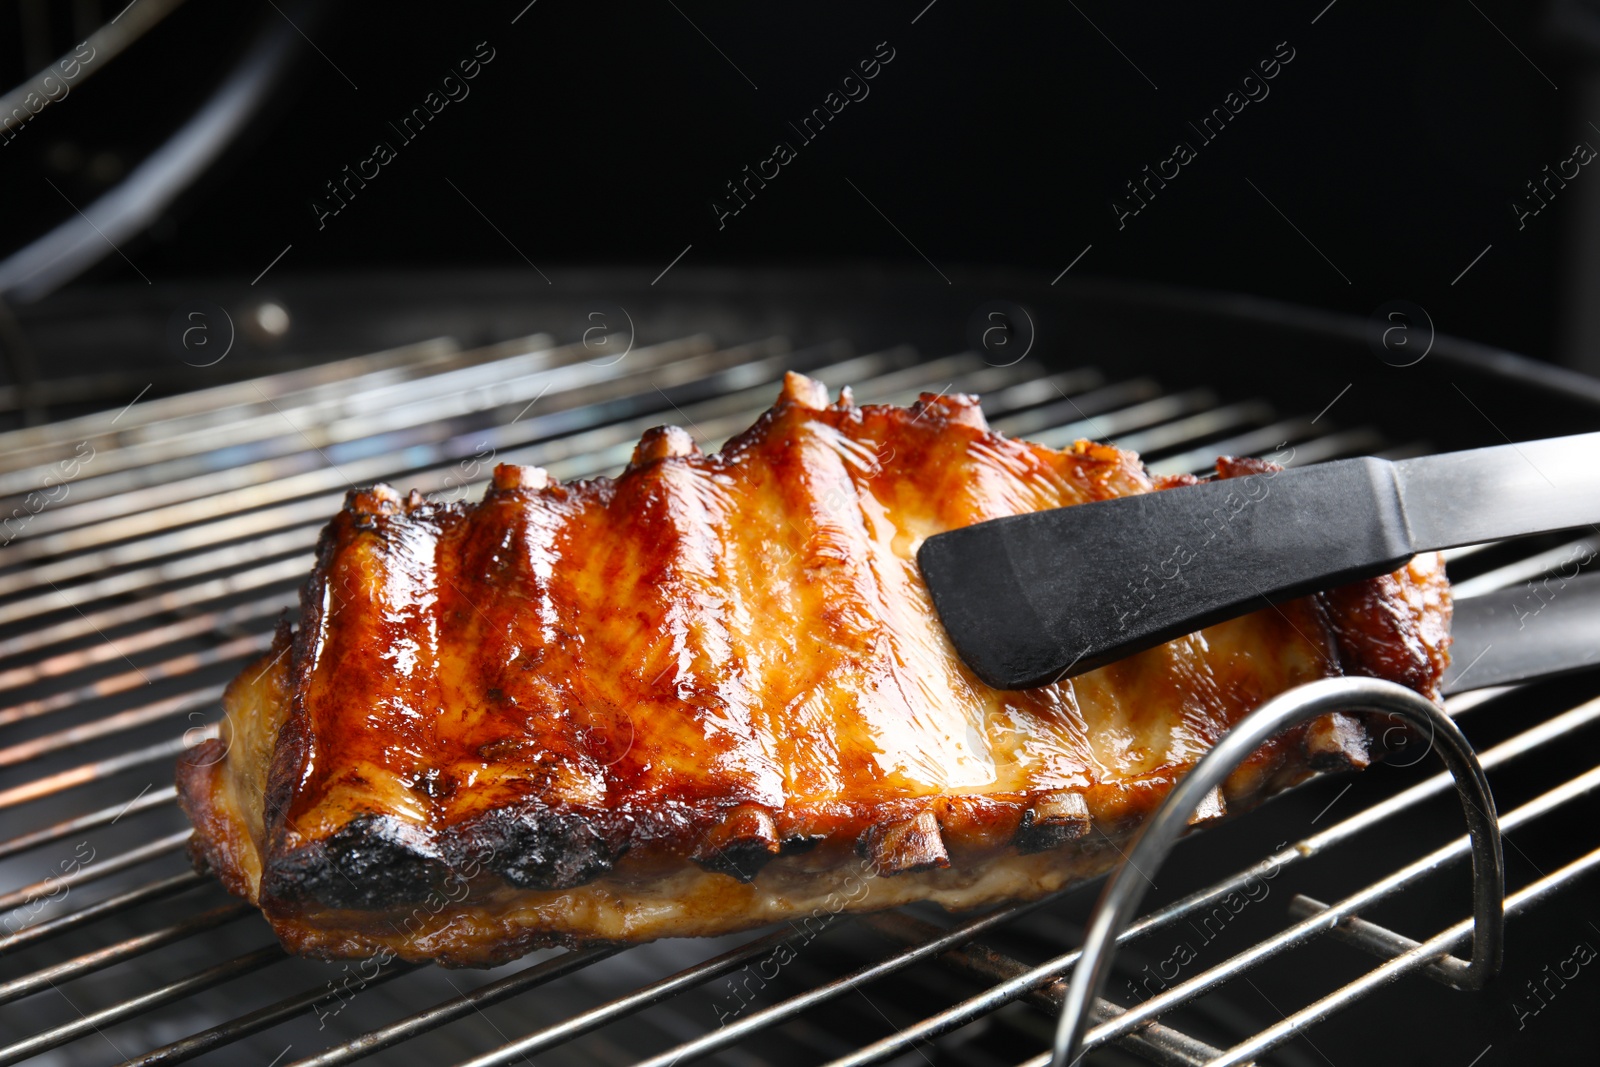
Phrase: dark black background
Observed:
(998, 135)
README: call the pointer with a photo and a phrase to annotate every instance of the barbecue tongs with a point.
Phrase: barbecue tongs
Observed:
(1031, 599)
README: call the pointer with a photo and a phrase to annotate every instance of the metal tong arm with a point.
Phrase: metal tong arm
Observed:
(1124, 889)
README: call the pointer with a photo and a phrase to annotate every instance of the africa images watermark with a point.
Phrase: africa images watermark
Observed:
(1555, 980)
(740, 995)
(452, 88)
(1248, 490)
(852, 88)
(1254, 890)
(1252, 89)
(1543, 191)
(51, 86)
(53, 490)
(56, 888)
(455, 889)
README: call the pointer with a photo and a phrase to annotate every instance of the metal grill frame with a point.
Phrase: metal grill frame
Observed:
(180, 556)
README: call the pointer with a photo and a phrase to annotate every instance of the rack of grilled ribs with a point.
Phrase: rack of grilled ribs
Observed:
(712, 693)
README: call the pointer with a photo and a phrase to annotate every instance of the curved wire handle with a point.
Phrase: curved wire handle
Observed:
(1124, 890)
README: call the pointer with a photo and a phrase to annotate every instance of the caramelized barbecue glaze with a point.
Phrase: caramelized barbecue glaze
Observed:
(712, 693)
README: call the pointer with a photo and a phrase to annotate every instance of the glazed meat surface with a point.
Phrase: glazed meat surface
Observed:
(713, 693)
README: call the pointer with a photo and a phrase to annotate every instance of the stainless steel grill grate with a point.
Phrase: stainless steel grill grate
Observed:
(137, 584)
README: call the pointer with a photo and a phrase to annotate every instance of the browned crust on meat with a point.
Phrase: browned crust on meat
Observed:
(474, 743)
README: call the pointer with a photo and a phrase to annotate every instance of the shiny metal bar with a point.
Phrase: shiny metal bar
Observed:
(91, 872)
(638, 1000)
(194, 699)
(210, 622)
(1571, 554)
(1380, 941)
(48, 928)
(175, 667)
(1045, 388)
(1432, 949)
(16, 446)
(177, 601)
(79, 966)
(1210, 421)
(1125, 887)
(1264, 439)
(1104, 399)
(87, 773)
(253, 1022)
(1318, 924)
(272, 428)
(154, 998)
(299, 539)
(1296, 435)
(1361, 441)
(44, 745)
(1159, 1044)
(335, 473)
(1108, 427)
(104, 817)
(772, 1015)
(457, 1007)
(959, 1015)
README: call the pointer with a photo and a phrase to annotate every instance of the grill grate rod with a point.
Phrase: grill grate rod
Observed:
(261, 1019)
(273, 519)
(1529, 568)
(155, 543)
(209, 622)
(1111, 408)
(1433, 949)
(25, 751)
(83, 624)
(93, 872)
(127, 1009)
(93, 820)
(986, 376)
(190, 473)
(975, 1007)
(136, 581)
(88, 773)
(175, 667)
(63, 433)
(1305, 929)
(482, 997)
(260, 425)
(1159, 1044)
(784, 1010)
(101, 958)
(641, 998)
(100, 909)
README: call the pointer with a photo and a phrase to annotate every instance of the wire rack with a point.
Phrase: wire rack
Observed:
(152, 547)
